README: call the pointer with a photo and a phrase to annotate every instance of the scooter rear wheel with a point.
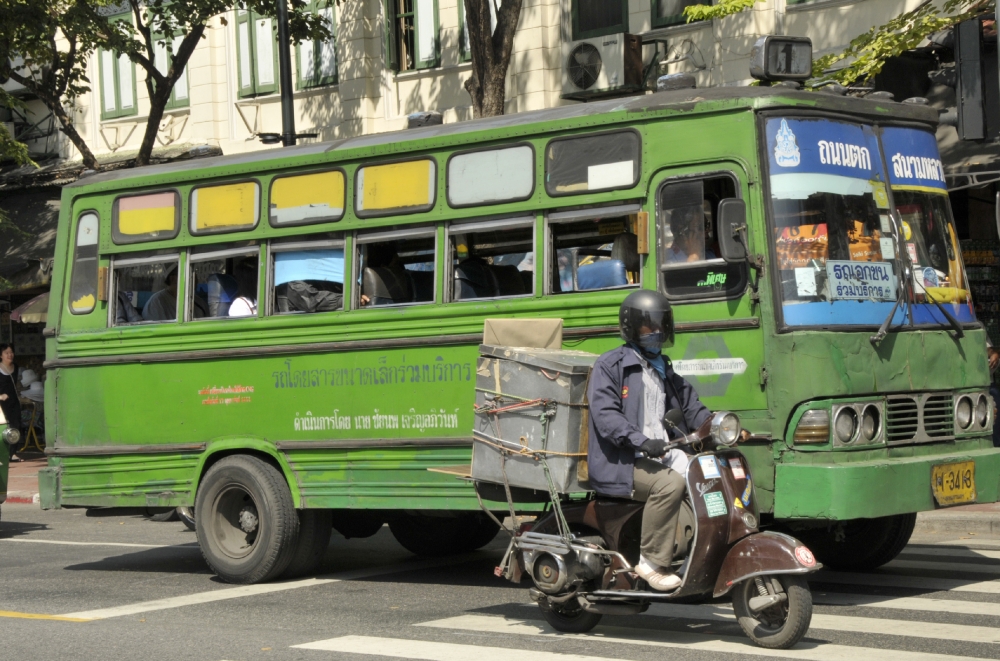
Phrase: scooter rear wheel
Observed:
(568, 617)
(779, 626)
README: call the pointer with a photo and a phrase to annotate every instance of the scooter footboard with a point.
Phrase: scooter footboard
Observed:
(764, 553)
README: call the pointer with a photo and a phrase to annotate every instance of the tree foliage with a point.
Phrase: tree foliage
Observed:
(491, 50)
(9, 147)
(721, 9)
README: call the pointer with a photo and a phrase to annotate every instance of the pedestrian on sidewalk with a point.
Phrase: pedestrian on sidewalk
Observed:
(10, 403)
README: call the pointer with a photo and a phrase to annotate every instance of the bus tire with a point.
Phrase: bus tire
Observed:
(860, 544)
(357, 524)
(247, 523)
(314, 539)
(442, 535)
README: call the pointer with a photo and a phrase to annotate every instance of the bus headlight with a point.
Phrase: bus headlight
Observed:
(871, 421)
(725, 428)
(11, 436)
(813, 427)
(963, 412)
(845, 425)
(983, 411)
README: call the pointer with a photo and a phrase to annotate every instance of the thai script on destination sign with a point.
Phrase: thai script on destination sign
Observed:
(847, 155)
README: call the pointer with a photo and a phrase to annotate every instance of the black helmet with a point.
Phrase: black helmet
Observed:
(646, 320)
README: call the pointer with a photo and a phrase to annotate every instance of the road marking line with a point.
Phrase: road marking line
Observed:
(900, 581)
(970, 542)
(432, 651)
(952, 552)
(938, 631)
(40, 616)
(908, 603)
(22, 540)
(964, 567)
(264, 588)
(679, 640)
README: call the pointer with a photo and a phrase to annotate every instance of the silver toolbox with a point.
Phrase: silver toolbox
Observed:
(513, 378)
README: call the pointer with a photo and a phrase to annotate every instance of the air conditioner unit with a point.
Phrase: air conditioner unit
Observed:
(602, 66)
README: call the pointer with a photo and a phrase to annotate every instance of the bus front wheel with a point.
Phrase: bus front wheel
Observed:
(860, 544)
(247, 524)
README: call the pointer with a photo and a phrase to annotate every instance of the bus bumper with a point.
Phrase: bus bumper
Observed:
(841, 490)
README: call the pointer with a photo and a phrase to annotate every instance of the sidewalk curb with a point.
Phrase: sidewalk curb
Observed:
(22, 497)
(981, 523)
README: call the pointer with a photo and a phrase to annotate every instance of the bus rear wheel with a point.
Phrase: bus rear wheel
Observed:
(247, 523)
(424, 534)
(860, 544)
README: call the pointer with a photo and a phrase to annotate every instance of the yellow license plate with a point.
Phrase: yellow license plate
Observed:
(954, 484)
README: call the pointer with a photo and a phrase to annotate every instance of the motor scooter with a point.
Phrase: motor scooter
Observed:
(581, 553)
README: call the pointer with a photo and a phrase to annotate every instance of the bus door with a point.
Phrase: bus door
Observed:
(719, 345)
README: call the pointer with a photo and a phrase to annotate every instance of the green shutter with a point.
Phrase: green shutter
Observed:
(111, 68)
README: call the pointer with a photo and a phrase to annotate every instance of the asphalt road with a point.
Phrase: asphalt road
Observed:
(77, 587)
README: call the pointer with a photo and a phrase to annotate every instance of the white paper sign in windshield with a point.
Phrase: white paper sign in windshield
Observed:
(861, 280)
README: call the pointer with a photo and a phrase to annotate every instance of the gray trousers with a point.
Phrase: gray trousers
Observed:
(662, 489)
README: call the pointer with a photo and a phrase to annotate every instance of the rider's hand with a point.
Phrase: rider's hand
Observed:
(744, 436)
(654, 447)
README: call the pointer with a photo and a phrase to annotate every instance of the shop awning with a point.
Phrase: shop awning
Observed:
(35, 311)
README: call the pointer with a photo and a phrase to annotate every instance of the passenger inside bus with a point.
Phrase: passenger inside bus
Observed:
(493, 263)
(397, 272)
(225, 287)
(601, 253)
(162, 306)
(691, 230)
(309, 281)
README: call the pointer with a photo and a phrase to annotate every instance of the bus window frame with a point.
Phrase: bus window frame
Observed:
(593, 134)
(178, 216)
(195, 257)
(291, 246)
(395, 211)
(588, 213)
(375, 236)
(116, 263)
(534, 175)
(662, 268)
(73, 262)
(304, 223)
(473, 226)
(223, 230)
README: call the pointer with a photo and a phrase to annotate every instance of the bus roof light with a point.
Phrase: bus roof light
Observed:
(781, 58)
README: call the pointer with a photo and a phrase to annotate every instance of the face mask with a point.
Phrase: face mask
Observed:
(652, 342)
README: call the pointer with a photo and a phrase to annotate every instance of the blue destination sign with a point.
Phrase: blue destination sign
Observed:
(822, 146)
(861, 280)
(913, 158)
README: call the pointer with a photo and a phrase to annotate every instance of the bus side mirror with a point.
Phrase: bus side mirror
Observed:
(732, 221)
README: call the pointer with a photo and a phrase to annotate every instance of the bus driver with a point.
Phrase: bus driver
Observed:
(631, 388)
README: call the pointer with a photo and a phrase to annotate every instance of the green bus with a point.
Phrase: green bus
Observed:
(287, 340)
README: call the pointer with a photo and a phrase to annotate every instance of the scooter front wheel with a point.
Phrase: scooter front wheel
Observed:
(568, 617)
(773, 611)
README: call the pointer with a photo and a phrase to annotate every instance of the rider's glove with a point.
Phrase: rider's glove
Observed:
(654, 447)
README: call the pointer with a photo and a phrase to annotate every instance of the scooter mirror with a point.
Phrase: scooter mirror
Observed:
(725, 428)
(673, 419)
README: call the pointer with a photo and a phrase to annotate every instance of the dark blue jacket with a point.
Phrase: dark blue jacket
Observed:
(615, 394)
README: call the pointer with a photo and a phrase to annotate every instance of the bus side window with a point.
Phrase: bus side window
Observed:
(145, 290)
(223, 283)
(83, 283)
(307, 277)
(599, 252)
(690, 262)
(397, 271)
(493, 259)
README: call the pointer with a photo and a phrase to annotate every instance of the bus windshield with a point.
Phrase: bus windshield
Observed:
(834, 235)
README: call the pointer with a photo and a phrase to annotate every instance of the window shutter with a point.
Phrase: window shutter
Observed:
(426, 36)
(108, 81)
(181, 86)
(125, 90)
(246, 53)
(264, 51)
(328, 49)
(307, 62)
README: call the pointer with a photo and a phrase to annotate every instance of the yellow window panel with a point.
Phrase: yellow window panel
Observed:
(308, 198)
(224, 208)
(146, 215)
(396, 186)
(83, 304)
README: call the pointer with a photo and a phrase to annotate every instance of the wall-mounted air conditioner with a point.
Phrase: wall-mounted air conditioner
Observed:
(602, 66)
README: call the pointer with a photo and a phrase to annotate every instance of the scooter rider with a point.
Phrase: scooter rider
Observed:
(631, 388)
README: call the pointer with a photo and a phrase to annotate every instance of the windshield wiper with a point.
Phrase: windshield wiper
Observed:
(884, 328)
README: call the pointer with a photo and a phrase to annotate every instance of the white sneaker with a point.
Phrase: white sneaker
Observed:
(657, 577)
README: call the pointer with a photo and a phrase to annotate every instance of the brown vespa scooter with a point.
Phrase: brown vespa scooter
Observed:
(581, 554)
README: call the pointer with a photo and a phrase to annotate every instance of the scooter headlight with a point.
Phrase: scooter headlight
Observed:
(11, 436)
(725, 428)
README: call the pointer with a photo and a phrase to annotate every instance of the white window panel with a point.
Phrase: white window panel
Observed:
(160, 59)
(427, 45)
(307, 63)
(491, 176)
(328, 49)
(181, 86)
(125, 82)
(108, 80)
(246, 67)
(265, 51)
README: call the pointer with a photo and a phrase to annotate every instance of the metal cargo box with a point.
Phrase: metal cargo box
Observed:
(531, 400)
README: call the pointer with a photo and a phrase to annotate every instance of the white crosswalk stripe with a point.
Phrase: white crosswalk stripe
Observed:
(908, 624)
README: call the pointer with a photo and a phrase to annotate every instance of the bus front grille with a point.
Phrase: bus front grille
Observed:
(919, 418)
